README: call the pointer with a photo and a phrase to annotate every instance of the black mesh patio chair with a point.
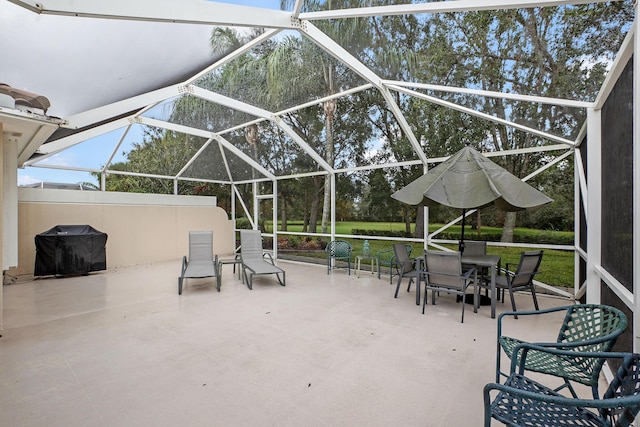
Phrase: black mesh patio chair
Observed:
(387, 258)
(255, 260)
(201, 262)
(522, 401)
(477, 247)
(521, 279)
(406, 266)
(443, 273)
(585, 328)
(338, 250)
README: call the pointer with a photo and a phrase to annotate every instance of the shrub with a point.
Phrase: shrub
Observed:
(385, 233)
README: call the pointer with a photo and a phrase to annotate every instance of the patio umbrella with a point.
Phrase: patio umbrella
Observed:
(469, 180)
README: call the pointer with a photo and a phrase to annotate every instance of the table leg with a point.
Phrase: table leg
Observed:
(493, 291)
(419, 268)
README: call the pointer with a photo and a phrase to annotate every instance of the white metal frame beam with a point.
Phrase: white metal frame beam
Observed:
(438, 7)
(233, 55)
(485, 116)
(342, 55)
(259, 112)
(54, 147)
(205, 134)
(594, 205)
(171, 11)
(635, 305)
(115, 109)
(491, 94)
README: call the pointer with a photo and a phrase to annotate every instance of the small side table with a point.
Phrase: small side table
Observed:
(237, 261)
(359, 258)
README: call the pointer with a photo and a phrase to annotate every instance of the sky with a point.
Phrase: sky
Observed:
(84, 63)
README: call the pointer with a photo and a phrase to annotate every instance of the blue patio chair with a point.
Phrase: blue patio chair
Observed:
(585, 328)
(522, 401)
(338, 250)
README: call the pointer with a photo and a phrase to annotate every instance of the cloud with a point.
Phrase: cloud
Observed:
(27, 180)
(83, 63)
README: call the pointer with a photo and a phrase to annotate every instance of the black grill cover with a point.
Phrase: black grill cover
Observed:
(70, 250)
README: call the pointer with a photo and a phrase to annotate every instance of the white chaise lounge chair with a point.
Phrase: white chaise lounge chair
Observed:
(253, 258)
(201, 262)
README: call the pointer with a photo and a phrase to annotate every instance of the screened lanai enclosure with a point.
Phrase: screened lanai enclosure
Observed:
(318, 111)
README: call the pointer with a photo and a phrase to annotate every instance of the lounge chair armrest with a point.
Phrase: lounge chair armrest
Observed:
(268, 255)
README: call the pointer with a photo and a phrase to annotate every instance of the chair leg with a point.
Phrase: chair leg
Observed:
(498, 354)
(179, 285)
(409, 286)
(424, 299)
(398, 287)
(282, 282)
(476, 300)
(513, 302)
(247, 279)
(535, 299)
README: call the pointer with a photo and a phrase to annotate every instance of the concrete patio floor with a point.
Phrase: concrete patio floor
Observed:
(122, 348)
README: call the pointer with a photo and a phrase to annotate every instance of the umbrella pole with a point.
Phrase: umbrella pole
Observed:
(461, 243)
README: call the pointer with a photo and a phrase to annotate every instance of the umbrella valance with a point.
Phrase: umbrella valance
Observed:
(469, 180)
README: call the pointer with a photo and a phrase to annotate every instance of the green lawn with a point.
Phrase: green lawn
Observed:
(557, 266)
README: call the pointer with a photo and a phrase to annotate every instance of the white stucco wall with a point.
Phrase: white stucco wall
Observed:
(141, 228)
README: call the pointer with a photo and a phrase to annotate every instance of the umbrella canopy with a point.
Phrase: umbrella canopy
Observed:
(469, 180)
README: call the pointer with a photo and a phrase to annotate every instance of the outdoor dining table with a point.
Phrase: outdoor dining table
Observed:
(479, 261)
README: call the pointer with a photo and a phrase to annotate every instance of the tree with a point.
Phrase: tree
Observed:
(376, 197)
(520, 50)
(160, 153)
(350, 33)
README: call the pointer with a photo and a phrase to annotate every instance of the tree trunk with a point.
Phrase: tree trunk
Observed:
(509, 226)
(419, 223)
(315, 205)
(326, 203)
(307, 208)
(283, 214)
(329, 111)
(251, 135)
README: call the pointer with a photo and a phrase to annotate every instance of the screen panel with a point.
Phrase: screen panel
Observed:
(617, 180)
